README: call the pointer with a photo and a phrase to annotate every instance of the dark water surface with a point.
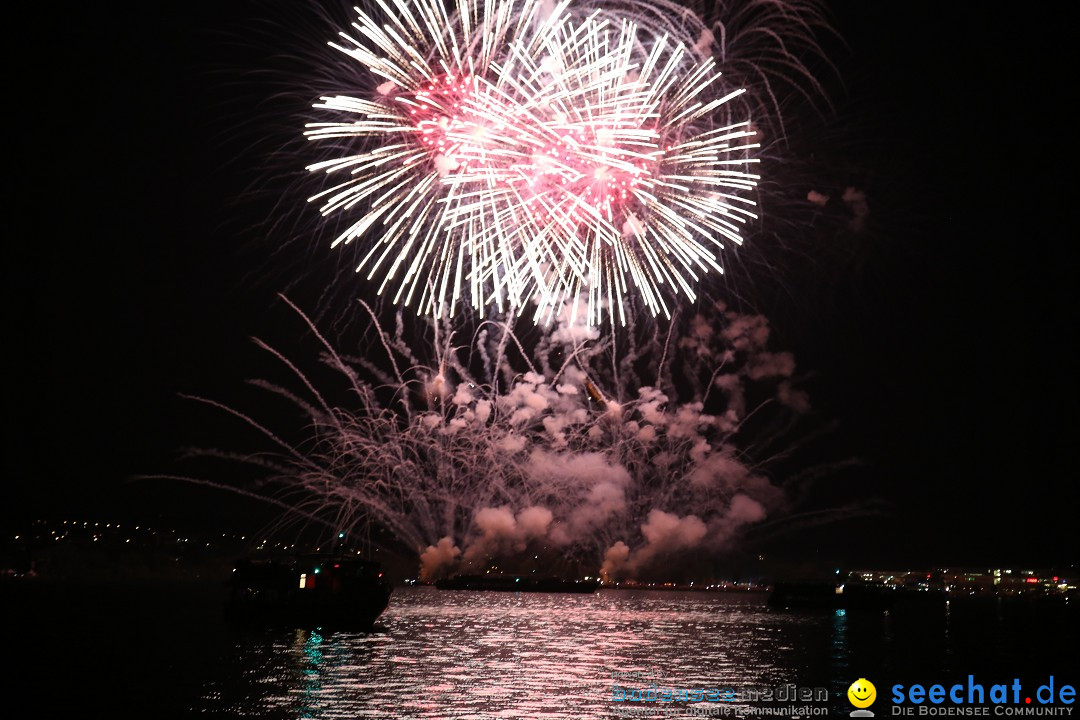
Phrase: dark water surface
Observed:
(156, 651)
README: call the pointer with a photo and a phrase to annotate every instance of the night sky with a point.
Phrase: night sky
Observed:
(942, 350)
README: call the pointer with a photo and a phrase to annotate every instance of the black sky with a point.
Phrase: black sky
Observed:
(945, 357)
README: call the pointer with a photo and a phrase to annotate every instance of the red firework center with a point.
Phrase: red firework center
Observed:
(439, 113)
(572, 179)
(578, 178)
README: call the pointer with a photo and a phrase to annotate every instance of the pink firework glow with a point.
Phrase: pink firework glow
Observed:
(516, 154)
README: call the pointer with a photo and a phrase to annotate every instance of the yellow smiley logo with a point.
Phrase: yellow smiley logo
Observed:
(862, 693)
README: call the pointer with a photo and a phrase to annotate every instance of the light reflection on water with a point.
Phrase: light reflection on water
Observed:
(160, 650)
(484, 654)
(439, 654)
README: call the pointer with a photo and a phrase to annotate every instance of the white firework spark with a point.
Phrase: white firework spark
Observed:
(514, 154)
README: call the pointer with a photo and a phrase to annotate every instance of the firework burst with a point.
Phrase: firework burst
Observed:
(513, 153)
(513, 447)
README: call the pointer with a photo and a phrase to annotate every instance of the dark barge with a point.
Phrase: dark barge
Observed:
(517, 583)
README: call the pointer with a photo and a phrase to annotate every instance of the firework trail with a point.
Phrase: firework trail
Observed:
(541, 449)
(518, 152)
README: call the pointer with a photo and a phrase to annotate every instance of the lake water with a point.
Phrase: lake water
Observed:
(438, 654)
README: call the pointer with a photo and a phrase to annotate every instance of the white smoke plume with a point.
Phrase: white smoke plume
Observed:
(437, 560)
(498, 532)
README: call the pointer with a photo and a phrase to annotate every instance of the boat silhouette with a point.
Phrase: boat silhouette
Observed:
(310, 590)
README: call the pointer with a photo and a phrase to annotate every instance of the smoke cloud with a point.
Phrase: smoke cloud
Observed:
(500, 533)
(437, 560)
